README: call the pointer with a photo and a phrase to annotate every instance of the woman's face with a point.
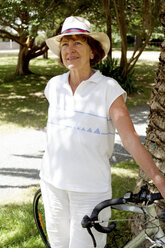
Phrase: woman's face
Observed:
(75, 52)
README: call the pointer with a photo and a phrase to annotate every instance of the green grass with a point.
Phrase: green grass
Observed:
(17, 227)
(144, 77)
(16, 232)
(22, 97)
(124, 177)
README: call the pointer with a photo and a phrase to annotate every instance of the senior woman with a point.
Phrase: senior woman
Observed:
(85, 107)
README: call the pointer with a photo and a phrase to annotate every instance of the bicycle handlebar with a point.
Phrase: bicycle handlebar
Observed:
(99, 208)
(143, 196)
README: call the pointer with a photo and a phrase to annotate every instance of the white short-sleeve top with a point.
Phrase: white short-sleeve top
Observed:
(80, 133)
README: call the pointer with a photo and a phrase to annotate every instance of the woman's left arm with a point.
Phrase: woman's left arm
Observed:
(123, 123)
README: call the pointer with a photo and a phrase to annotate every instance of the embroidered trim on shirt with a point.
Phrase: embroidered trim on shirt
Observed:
(89, 130)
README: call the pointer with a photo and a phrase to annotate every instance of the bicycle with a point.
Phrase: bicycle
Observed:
(128, 203)
(152, 230)
(39, 216)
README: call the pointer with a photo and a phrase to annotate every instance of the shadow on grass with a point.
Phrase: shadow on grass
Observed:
(144, 76)
(18, 227)
(22, 97)
(24, 104)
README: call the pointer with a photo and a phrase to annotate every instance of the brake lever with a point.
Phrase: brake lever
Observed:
(86, 223)
(92, 236)
(141, 196)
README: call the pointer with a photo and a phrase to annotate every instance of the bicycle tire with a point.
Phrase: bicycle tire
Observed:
(39, 216)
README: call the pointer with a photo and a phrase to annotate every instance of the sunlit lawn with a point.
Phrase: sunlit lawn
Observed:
(144, 76)
(22, 100)
(17, 227)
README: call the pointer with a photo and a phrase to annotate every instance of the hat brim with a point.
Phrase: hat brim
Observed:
(54, 42)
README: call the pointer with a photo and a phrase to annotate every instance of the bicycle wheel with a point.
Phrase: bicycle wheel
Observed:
(39, 216)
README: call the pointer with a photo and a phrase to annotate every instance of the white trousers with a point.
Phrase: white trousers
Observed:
(64, 211)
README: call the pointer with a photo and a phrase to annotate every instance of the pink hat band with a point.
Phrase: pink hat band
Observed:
(71, 30)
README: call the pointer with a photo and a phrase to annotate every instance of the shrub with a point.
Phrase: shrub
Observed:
(110, 67)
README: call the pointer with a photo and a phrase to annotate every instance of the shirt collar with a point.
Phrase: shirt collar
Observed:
(93, 79)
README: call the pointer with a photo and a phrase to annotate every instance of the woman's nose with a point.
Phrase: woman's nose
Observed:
(70, 46)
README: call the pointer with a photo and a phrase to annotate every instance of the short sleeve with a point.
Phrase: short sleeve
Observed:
(46, 91)
(49, 89)
(52, 85)
(114, 90)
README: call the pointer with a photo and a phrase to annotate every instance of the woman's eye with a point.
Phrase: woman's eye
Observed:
(77, 43)
(64, 44)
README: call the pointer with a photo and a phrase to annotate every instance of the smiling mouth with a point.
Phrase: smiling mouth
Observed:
(72, 58)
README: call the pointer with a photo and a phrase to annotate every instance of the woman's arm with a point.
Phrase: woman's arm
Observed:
(123, 123)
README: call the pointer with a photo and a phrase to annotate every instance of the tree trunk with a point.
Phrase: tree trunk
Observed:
(119, 7)
(107, 9)
(23, 61)
(155, 135)
(45, 55)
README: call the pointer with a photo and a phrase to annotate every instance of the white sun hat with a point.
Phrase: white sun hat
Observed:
(74, 25)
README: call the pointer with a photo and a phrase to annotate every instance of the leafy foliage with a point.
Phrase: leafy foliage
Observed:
(22, 20)
(110, 68)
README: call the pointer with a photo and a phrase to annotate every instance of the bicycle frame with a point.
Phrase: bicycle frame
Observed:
(152, 228)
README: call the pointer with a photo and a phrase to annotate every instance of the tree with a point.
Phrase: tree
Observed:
(155, 137)
(148, 19)
(137, 18)
(21, 20)
(107, 9)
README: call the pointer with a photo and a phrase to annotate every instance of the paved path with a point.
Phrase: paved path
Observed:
(139, 116)
(146, 55)
(21, 152)
(20, 157)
